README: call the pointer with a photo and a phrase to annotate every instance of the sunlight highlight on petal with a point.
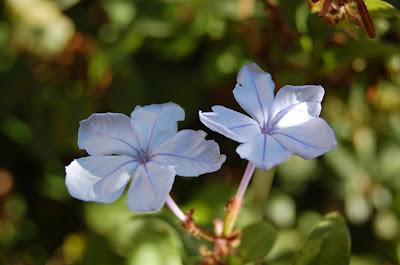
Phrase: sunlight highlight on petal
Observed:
(99, 178)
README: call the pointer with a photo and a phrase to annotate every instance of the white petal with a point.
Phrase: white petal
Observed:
(299, 102)
(190, 153)
(154, 124)
(295, 115)
(107, 134)
(230, 123)
(264, 151)
(150, 187)
(99, 178)
(255, 92)
(309, 139)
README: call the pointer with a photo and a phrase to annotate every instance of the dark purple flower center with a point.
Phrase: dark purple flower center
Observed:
(143, 157)
(265, 129)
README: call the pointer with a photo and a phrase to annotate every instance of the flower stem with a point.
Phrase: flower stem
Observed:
(244, 183)
(195, 230)
(187, 221)
(175, 209)
(235, 203)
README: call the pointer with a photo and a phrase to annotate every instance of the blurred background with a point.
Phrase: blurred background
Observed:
(62, 60)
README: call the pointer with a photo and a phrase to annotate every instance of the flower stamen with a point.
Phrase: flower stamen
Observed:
(266, 130)
(143, 157)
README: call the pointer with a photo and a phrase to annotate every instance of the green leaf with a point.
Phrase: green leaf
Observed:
(153, 243)
(257, 240)
(234, 260)
(328, 243)
(380, 7)
(395, 3)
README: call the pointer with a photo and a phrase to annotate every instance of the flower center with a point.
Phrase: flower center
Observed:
(143, 157)
(266, 130)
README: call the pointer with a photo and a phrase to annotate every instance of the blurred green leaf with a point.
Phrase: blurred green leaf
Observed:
(357, 207)
(328, 243)
(281, 209)
(120, 12)
(343, 161)
(208, 201)
(257, 240)
(107, 219)
(308, 220)
(296, 173)
(388, 96)
(365, 145)
(189, 245)
(16, 129)
(302, 14)
(54, 187)
(386, 225)
(285, 247)
(154, 243)
(65, 4)
(381, 7)
(366, 260)
(389, 163)
(234, 260)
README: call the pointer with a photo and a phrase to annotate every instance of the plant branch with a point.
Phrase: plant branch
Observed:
(187, 221)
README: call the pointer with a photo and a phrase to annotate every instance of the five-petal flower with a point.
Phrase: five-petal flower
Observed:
(280, 126)
(146, 148)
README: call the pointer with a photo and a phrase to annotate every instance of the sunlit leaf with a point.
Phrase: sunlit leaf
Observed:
(257, 240)
(381, 7)
(327, 244)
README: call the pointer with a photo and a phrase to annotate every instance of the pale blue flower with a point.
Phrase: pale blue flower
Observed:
(279, 126)
(145, 148)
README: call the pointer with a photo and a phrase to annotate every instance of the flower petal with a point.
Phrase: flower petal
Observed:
(154, 124)
(99, 178)
(309, 139)
(230, 123)
(296, 104)
(107, 134)
(264, 151)
(295, 115)
(190, 153)
(150, 187)
(254, 92)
